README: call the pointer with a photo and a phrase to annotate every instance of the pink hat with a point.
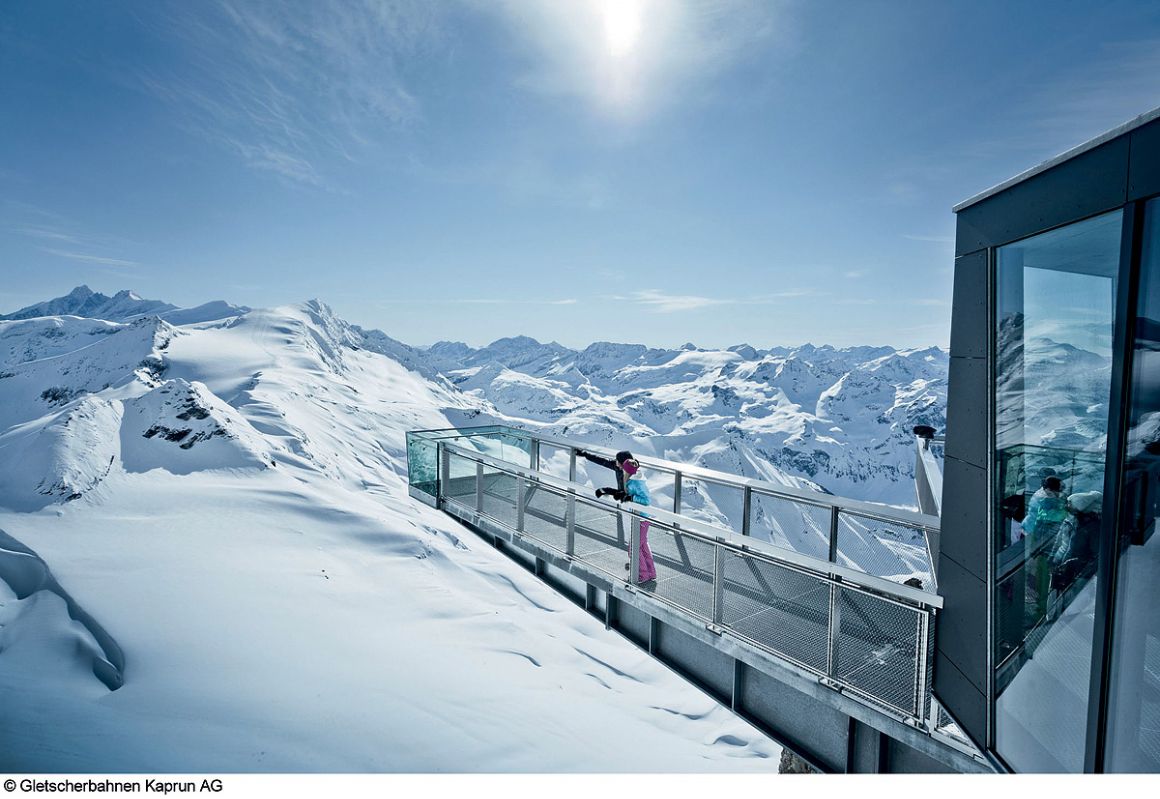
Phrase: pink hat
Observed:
(630, 466)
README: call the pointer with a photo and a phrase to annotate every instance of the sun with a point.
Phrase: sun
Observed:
(623, 20)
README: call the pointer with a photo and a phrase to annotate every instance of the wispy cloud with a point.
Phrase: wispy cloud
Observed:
(502, 301)
(629, 57)
(89, 258)
(56, 235)
(293, 88)
(671, 303)
(854, 274)
(662, 302)
(481, 301)
(43, 233)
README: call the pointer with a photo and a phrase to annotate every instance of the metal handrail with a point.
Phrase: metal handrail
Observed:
(928, 474)
(830, 571)
(840, 583)
(852, 506)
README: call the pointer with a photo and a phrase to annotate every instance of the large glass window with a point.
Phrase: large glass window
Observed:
(1134, 712)
(1055, 310)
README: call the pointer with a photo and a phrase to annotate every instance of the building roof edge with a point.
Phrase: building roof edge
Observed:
(1091, 144)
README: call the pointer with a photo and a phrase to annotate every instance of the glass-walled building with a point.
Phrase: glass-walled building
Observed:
(1049, 645)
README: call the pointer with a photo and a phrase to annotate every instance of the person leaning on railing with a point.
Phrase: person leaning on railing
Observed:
(616, 465)
(630, 487)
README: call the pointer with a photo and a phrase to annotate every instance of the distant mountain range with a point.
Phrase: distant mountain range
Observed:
(838, 418)
(124, 306)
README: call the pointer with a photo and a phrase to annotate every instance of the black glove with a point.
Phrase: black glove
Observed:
(582, 453)
(619, 496)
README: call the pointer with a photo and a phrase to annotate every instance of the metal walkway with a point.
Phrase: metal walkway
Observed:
(729, 609)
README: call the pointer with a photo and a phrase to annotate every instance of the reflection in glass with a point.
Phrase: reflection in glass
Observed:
(1053, 347)
(1134, 711)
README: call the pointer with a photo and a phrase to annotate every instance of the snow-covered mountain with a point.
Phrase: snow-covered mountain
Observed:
(123, 306)
(841, 419)
(83, 301)
(212, 517)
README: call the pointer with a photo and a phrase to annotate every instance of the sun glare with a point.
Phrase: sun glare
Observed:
(623, 20)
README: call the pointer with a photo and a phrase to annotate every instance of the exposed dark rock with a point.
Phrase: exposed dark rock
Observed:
(792, 764)
(59, 395)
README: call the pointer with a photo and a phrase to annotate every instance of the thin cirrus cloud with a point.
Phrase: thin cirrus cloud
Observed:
(89, 258)
(502, 301)
(291, 89)
(58, 236)
(662, 302)
(485, 301)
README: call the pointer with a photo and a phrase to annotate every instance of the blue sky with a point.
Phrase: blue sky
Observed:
(655, 171)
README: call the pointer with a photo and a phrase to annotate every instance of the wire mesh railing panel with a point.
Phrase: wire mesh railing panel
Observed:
(888, 549)
(781, 609)
(499, 497)
(602, 539)
(860, 632)
(878, 648)
(793, 525)
(545, 517)
(684, 567)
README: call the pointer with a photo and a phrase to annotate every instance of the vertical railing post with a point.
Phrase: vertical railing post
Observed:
(833, 556)
(478, 487)
(534, 455)
(832, 630)
(677, 480)
(571, 464)
(520, 489)
(634, 549)
(746, 507)
(570, 524)
(445, 472)
(920, 666)
(718, 584)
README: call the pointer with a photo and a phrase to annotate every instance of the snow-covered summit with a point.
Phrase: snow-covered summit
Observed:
(124, 306)
(83, 301)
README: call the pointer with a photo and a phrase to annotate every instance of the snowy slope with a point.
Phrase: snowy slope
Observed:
(224, 504)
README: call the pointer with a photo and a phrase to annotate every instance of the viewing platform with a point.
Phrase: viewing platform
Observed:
(769, 597)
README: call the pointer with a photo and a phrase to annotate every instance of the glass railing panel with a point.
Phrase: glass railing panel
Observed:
(895, 551)
(554, 460)
(423, 464)
(460, 483)
(712, 503)
(498, 497)
(790, 524)
(545, 517)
